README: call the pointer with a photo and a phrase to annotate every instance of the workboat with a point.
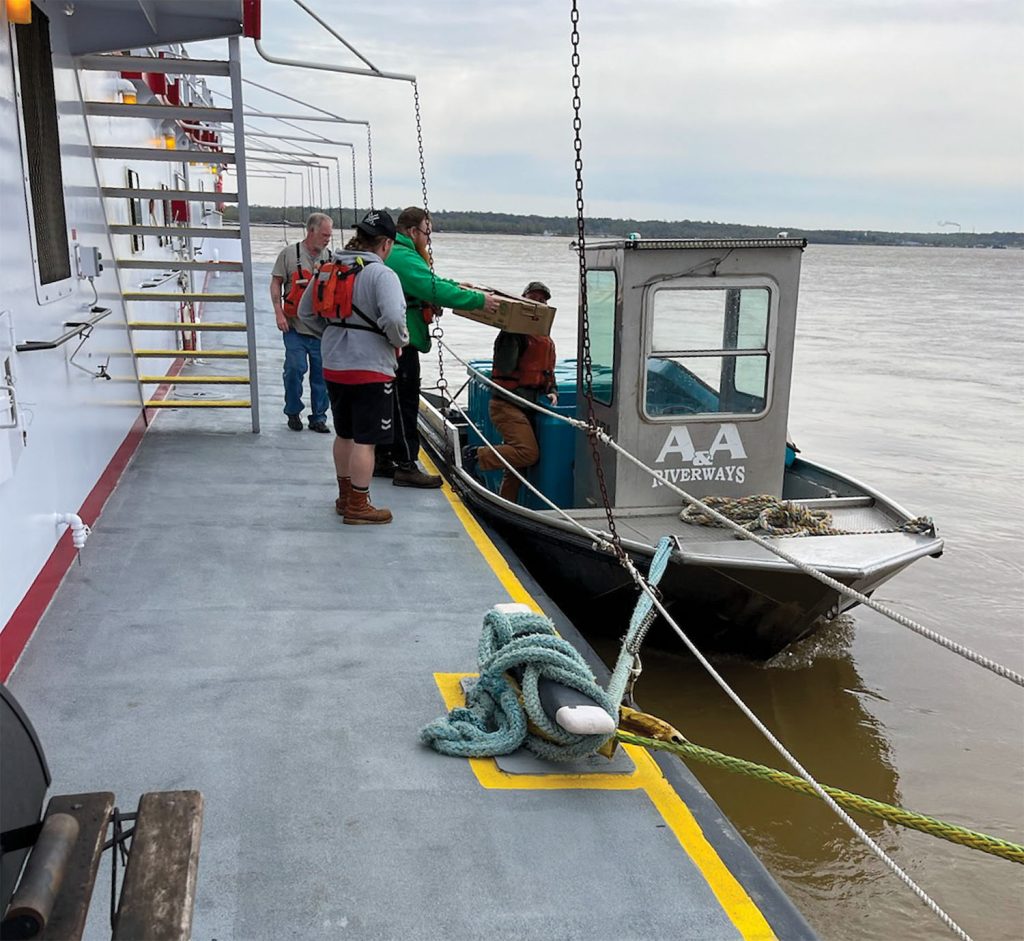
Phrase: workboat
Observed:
(199, 662)
(685, 364)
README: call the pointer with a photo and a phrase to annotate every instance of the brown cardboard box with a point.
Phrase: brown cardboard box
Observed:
(514, 314)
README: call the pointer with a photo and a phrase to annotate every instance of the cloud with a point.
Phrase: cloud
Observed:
(869, 114)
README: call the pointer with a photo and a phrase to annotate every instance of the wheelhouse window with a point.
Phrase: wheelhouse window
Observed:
(601, 294)
(708, 350)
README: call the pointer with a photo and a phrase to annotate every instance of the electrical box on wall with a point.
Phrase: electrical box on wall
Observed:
(89, 262)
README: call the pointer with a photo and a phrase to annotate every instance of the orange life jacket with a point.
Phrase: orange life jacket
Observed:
(535, 369)
(296, 290)
(332, 296)
(332, 289)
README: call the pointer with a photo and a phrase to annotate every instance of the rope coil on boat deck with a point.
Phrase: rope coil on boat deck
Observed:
(785, 518)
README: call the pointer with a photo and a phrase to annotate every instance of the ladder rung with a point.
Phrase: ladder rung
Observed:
(196, 380)
(204, 354)
(109, 63)
(173, 264)
(198, 403)
(194, 196)
(181, 231)
(188, 112)
(227, 326)
(168, 156)
(182, 296)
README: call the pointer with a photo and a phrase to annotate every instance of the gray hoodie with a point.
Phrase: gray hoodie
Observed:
(377, 292)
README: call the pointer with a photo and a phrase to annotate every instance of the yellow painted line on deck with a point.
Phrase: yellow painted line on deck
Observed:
(736, 903)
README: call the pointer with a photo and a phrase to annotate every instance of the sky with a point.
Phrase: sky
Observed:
(848, 114)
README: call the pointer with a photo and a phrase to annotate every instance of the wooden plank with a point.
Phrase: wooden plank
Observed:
(92, 811)
(159, 890)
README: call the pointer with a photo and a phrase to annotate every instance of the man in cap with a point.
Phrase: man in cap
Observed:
(361, 353)
(426, 292)
(525, 365)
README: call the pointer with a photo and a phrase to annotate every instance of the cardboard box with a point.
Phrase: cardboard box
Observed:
(515, 314)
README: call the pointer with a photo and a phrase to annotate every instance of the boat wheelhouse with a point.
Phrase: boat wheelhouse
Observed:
(690, 350)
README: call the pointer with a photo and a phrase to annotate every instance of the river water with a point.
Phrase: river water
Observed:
(907, 376)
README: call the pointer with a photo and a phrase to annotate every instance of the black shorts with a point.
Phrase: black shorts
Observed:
(363, 413)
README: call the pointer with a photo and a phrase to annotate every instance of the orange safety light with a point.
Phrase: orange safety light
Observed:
(19, 11)
(170, 142)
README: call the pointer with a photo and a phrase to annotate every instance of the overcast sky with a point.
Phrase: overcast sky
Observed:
(882, 114)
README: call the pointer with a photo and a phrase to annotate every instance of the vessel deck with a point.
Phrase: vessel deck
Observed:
(225, 632)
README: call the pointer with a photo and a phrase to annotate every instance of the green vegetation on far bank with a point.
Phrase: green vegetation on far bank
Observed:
(501, 223)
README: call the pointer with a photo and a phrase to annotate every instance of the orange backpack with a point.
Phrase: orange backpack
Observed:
(332, 289)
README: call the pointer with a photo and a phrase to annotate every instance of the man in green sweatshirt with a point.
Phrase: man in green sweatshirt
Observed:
(425, 291)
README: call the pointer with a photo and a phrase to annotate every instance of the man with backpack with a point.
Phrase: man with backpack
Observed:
(357, 304)
(292, 271)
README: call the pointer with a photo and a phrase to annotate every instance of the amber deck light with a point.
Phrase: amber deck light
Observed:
(19, 11)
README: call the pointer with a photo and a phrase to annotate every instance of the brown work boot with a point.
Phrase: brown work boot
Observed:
(344, 493)
(409, 475)
(359, 510)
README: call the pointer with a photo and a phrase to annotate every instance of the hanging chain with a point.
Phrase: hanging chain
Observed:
(355, 197)
(369, 160)
(436, 330)
(588, 375)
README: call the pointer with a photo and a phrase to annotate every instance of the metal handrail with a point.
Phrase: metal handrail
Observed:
(372, 71)
(80, 328)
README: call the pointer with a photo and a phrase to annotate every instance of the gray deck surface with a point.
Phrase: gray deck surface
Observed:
(226, 632)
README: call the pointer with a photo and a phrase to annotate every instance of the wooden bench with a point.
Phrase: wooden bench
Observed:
(49, 862)
(157, 895)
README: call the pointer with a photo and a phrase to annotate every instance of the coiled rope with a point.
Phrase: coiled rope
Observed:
(777, 517)
(494, 721)
(952, 832)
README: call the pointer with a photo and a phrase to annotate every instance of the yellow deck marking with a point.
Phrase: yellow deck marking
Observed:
(736, 903)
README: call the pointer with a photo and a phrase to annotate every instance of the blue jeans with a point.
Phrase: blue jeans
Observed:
(297, 348)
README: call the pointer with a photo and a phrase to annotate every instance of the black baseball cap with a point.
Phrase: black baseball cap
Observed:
(540, 287)
(377, 222)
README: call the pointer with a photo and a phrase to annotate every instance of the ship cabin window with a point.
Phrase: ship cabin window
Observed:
(41, 143)
(707, 351)
(601, 295)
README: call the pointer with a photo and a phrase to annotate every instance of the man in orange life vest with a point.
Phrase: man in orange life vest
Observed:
(292, 271)
(524, 365)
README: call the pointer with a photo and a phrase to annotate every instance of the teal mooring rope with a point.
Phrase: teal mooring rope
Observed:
(494, 721)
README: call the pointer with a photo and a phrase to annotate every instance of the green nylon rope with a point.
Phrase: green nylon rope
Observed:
(907, 818)
(766, 513)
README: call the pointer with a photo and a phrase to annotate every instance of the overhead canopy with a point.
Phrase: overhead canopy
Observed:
(110, 25)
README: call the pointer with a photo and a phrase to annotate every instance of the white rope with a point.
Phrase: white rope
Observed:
(643, 585)
(957, 648)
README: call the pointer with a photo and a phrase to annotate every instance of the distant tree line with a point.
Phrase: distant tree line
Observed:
(503, 223)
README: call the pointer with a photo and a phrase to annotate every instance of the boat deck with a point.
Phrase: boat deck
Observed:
(841, 556)
(225, 632)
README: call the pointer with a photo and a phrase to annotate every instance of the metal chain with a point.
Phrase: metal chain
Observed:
(355, 198)
(369, 161)
(436, 330)
(588, 376)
